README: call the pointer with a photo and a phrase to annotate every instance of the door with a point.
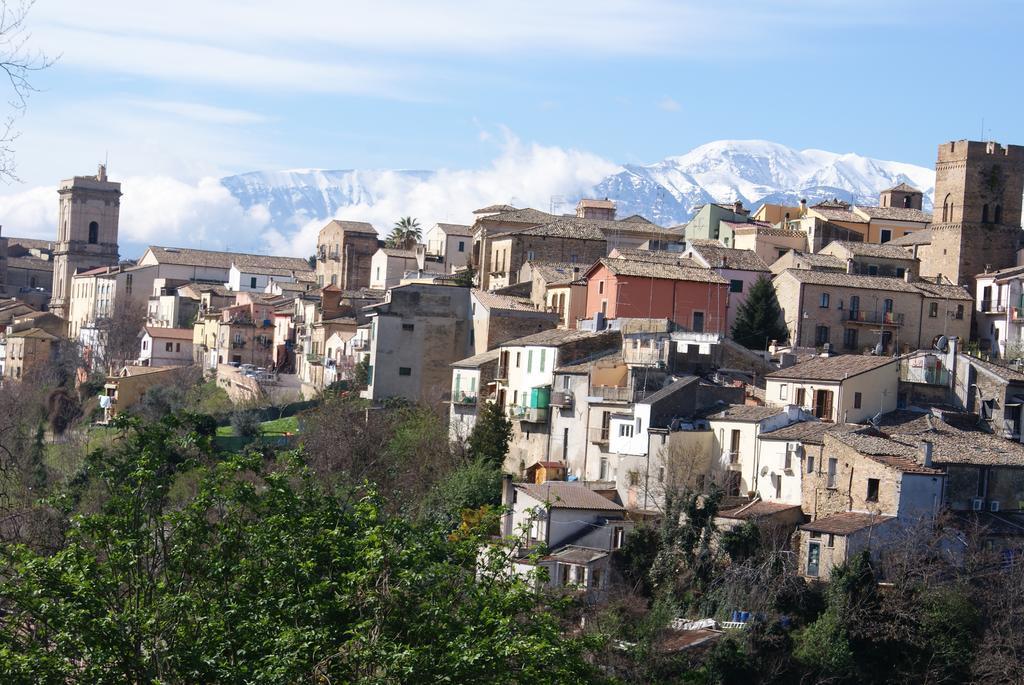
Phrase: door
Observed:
(813, 559)
(823, 404)
(734, 447)
(698, 322)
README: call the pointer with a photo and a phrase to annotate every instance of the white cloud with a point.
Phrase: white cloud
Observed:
(669, 105)
(163, 210)
(524, 174)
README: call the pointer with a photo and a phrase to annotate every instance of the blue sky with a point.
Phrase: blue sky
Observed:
(199, 89)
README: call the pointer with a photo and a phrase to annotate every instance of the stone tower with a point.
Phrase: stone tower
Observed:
(976, 221)
(86, 232)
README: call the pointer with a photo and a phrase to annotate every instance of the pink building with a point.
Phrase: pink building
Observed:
(693, 297)
(741, 268)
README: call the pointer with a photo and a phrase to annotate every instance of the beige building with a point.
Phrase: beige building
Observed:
(123, 391)
(500, 318)
(86, 232)
(847, 388)
(96, 294)
(166, 346)
(416, 334)
(767, 242)
(856, 313)
(450, 245)
(343, 253)
(388, 265)
(31, 342)
(871, 259)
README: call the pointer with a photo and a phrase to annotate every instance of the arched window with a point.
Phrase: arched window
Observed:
(94, 232)
(947, 209)
(984, 214)
(998, 214)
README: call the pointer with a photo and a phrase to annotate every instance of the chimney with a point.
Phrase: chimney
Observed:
(737, 207)
(850, 267)
(803, 206)
(101, 173)
(507, 492)
(926, 453)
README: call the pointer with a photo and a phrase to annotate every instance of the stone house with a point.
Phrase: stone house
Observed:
(846, 388)
(415, 336)
(870, 259)
(123, 390)
(795, 259)
(767, 242)
(557, 287)
(96, 294)
(343, 253)
(693, 297)
(245, 334)
(855, 312)
(27, 350)
(741, 268)
(499, 318)
(497, 222)
(472, 384)
(188, 265)
(165, 346)
(450, 245)
(567, 240)
(388, 265)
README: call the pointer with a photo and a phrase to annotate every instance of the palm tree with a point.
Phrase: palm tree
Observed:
(406, 233)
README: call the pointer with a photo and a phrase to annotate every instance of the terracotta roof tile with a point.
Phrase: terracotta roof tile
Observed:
(673, 272)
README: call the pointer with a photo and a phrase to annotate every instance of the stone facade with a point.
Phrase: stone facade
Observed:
(86, 232)
(343, 253)
(977, 218)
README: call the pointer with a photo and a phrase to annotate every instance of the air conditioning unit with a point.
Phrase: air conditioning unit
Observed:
(993, 506)
(977, 504)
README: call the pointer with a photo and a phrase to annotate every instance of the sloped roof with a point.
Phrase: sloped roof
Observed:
(668, 390)
(746, 413)
(660, 256)
(946, 291)
(756, 510)
(903, 188)
(187, 256)
(894, 214)
(672, 272)
(398, 252)
(809, 432)
(494, 209)
(836, 368)
(845, 523)
(558, 273)
(456, 229)
(884, 251)
(596, 204)
(950, 444)
(921, 237)
(352, 226)
(563, 495)
(37, 333)
(569, 227)
(836, 214)
(518, 216)
(507, 302)
(611, 356)
(845, 280)
(818, 260)
(172, 333)
(719, 256)
(553, 337)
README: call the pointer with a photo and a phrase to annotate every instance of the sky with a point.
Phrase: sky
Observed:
(177, 95)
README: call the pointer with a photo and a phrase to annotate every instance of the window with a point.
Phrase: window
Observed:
(856, 400)
(872, 270)
(933, 309)
(404, 371)
(177, 347)
(984, 213)
(887, 306)
(850, 338)
(998, 214)
(959, 311)
(783, 391)
(145, 344)
(377, 277)
(543, 354)
(872, 490)
(788, 462)
(603, 473)
(565, 382)
(600, 287)
(854, 306)
(661, 472)
(519, 359)
(801, 397)
(626, 430)
(618, 536)
(885, 235)
(813, 558)
(529, 361)
(900, 272)
(735, 286)
(252, 282)
(734, 447)
(833, 465)
(94, 232)
(462, 246)
(530, 255)
(831, 540)
(334, 279)
(821, 335)
(824, 301)
(408, 327)
(698, 322)
(810, 464)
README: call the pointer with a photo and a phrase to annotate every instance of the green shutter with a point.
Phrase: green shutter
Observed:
(529, 361)
(543, 353)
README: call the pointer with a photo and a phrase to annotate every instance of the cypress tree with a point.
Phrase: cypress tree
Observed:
(759, 319)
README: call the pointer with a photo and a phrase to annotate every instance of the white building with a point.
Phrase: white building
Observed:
(451, 244)
(999, 311)
(165, 346)
(389, 265)
(848, 388)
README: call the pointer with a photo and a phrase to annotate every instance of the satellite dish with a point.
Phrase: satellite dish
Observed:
(941, 343)
(764, 471)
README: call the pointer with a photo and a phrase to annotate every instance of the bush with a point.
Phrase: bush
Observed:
(245, 423)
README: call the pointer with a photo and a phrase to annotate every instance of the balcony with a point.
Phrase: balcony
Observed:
(528, 414)
(563, 400)
(314, 359)
(360, 345)
(464, 398)
(993, 307)
(1016, 314)
(599, 436)
(644, 355)
(875, 318)
(925, 371)
(612, 393)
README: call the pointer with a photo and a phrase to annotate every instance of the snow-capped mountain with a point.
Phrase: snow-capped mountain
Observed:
(666, 192)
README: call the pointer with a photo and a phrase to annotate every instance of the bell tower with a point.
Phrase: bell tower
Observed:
(976, 220)
(86, 232)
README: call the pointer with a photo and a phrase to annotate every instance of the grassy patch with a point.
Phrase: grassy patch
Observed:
(289, 424)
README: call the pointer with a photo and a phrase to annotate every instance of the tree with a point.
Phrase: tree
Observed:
(759, 319)
(405, 234)
(18, 63)
(119, 335)
(491, 434)
(264, 575)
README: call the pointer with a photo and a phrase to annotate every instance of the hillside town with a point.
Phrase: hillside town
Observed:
(848, 377)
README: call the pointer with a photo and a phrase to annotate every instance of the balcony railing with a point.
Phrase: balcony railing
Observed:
(360, 344)
(887, 318)
(562, 399)
(929, 375)
(612, 393)
(993, 307)
(315, 359)
(528, 414)
(644, 355)
(464, 398)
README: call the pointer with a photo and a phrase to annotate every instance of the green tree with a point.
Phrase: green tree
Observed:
(491, 434)
(264, 576)
(759, 318)
(405, 234)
